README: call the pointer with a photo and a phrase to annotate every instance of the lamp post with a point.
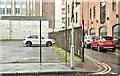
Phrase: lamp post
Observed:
(72, 42)
(66, 34)
(83, 34)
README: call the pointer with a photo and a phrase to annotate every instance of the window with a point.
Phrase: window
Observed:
(17, 2)
(30, 2)
(2, 2)
(31, 7)
(33, 37)
(107, 38)
(114, 4)
(17, 10)
(24, 11)
(8, 2)
(76, 18)
(8, 10)
(116, 31)
(94, 11)
(92, 32)
(90, 13)
(2, 10)
(51, 12)
(51, 3)
(102, 11)
(68, 21)
(68, 9)
(23, 2)
(103, 31)
(97, 37)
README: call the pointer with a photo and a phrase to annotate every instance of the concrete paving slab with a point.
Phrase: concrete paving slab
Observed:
(39, 68)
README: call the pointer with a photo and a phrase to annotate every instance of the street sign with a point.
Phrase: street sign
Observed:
(73, 20)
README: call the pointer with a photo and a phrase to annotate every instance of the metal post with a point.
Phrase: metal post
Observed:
(72, 48)
(83, 34)
(72, 42)
(66, 35)
(83, 41)
(40, 43)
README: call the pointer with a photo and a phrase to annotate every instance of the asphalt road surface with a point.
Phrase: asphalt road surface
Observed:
(16, 52)
(107, 57)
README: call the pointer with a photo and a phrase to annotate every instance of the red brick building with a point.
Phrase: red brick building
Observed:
(104, 18)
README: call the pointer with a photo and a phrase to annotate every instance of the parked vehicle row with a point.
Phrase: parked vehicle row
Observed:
(35, 40)
(101, 43)
(117, 41)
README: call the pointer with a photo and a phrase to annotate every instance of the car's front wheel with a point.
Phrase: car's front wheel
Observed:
(86, 46)
(92, 47)
(49, 43)
(29, 44)
(113, 50)
(98, 48)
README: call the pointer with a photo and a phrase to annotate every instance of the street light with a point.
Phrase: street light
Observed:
(72, 42)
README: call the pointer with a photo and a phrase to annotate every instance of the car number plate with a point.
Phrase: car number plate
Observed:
(108, 47)
(107, 42)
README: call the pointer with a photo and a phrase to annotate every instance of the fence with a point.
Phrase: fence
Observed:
(60, 39)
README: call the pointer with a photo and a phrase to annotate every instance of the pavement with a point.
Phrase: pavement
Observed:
(37, 68)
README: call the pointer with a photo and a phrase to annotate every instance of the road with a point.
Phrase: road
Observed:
(108, 58)
(15, 52)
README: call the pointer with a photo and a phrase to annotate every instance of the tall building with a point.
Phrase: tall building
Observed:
(104, 18)
(20, 7)
(80, 12)
(48, 9)
(34, 8)
(58, 16)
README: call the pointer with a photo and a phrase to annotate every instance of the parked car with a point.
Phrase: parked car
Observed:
(87, 40)
(101, 43)
(35, 40)
(117, 41)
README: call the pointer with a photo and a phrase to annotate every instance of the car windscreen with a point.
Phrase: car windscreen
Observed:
(107, 38)
(92, 37)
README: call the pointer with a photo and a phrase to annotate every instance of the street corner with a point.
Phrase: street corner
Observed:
(88, 66)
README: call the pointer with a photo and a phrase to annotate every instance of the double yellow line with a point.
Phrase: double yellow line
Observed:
(107, 67)
(114, 53)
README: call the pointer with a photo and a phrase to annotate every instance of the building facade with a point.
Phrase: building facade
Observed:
(104, 18)
(49, 11)
(80, 12)
(21, 7)
(58, 15)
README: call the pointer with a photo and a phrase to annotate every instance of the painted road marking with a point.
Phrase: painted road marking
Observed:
(114, 53)
(107, 67)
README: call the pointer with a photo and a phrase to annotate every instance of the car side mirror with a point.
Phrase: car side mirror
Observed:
(42, 38)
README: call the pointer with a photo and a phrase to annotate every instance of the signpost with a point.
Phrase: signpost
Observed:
(72, 46)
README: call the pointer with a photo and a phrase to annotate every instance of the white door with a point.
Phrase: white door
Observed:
(34, 39)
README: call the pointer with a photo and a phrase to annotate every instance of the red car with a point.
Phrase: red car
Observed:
(103, 43)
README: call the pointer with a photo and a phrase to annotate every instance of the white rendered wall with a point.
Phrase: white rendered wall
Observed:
(58, 15)
(19, 29)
